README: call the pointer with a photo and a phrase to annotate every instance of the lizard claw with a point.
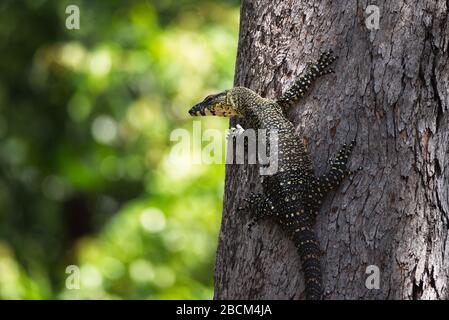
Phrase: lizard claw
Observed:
(250, 225)
(235, 131)
(352, 173)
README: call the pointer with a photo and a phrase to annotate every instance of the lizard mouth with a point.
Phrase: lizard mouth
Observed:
(220, 110)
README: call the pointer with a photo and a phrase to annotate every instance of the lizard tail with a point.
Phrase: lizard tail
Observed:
(309, 251)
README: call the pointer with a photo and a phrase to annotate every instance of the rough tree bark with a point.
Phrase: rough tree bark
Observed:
(390, 92)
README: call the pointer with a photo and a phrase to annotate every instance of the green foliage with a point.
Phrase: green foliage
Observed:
(85, 172)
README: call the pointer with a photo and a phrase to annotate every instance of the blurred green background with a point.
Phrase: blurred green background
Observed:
(85, 123)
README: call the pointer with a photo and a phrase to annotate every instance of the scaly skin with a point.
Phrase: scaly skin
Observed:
(293, 195)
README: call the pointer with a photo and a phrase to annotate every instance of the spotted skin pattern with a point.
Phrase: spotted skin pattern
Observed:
(293, 195)
(303, 83)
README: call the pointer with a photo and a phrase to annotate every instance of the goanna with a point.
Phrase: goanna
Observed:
(292, 196)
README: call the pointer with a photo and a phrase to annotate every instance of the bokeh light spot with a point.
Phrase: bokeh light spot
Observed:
(113, 268)
(79, 107)
(72, 55)
(100, 63)
(104, 129)
(164, 277)
(141, 271)
(152, 220)
(90, 277)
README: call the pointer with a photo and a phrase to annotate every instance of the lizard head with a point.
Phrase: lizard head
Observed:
(220, 104)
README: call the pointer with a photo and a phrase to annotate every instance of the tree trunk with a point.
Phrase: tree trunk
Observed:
(390, 93)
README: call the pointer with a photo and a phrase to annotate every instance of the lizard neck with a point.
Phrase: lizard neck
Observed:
(261, 113)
